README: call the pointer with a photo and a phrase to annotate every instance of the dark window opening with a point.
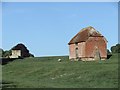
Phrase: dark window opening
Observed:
(76, 44)
(76, 51)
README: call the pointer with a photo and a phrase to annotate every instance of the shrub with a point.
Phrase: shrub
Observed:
(115, 49)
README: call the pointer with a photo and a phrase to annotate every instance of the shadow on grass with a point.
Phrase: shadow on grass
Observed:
(4, 61)
(108, 56)
(6, 84)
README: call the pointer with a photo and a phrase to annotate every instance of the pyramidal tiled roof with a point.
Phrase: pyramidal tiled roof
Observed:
(84, 34)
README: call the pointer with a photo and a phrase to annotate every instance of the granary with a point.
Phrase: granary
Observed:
(88, 45)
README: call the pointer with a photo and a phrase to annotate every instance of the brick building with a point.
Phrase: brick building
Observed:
(88, 45)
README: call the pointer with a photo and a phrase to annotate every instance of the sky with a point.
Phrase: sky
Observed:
(45, 28)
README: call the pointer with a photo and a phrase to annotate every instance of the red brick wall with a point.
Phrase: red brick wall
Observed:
(72, 51)
(94, 42)
(87, 49)
(81, 48)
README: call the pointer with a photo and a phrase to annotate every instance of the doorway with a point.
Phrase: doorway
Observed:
(97, 54)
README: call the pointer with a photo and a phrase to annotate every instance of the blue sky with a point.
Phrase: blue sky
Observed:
(46, 28)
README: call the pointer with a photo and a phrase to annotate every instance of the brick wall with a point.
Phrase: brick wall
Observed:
(87, 49)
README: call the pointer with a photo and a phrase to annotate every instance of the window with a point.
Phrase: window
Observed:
(76, 44)
(76, 52)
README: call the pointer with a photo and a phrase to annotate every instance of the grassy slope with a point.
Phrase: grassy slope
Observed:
(48, 72)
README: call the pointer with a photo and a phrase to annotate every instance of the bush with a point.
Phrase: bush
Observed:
(31, 55)
(108, 54)
(115, 49)
(1, 52)
(6, 53)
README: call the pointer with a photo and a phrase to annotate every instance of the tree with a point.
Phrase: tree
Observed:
(1, 52)
(115, 49)
(7, 53)
(108, 54)
(31, 55)
(118, 48)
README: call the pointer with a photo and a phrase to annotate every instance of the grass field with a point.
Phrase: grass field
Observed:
(47, 72)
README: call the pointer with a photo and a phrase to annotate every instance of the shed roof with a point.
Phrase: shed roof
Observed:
(19, 47)
(84, 34)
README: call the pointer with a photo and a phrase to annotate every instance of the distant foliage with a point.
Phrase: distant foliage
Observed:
(31, 55)
(6, 53)
(108, 52)
(115, 49)
(1, 52)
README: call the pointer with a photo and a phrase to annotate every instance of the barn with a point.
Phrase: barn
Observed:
(20, 51)
(88, 45)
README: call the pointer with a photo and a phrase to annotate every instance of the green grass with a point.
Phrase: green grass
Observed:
(47, 72)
